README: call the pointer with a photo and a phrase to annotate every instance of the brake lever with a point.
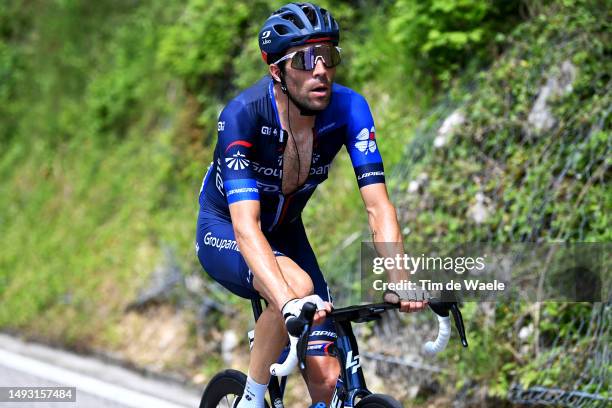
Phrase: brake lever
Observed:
(454, 308)
(443, 308)
(305, 319)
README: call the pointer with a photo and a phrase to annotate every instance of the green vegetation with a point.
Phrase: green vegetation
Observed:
(535, 186)
(108, 115)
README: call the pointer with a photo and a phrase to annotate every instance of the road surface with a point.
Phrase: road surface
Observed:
(98, 384)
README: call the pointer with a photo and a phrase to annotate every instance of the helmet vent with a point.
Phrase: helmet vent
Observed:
(281, 29)
(310, 14)
(294, 19)
(325, 15)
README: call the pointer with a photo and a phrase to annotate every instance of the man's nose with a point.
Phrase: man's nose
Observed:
(319, 69)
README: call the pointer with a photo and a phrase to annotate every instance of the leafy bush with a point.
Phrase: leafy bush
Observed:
(433, 39)
(443, 36)
(545, 186)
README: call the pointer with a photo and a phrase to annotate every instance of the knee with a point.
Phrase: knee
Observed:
(324, 384)
(302, 285)
(323, 374)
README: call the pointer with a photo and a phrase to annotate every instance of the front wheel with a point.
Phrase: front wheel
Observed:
(224, 390)
(378, 401)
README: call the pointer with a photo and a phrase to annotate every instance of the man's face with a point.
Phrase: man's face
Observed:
(312, 89)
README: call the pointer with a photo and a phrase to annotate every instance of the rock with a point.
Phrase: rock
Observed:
(228, 344)
(525, 332)
(448, 128)
(418, 184)
(413, 391)
(480, 211)
(540, 118)
(413, 187)
(194, 283)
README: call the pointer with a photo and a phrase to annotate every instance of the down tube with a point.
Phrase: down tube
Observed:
(348, 353)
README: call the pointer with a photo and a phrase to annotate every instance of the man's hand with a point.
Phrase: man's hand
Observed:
(293, 308)
(411, 300)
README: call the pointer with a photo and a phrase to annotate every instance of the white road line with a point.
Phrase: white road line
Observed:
(82, 383)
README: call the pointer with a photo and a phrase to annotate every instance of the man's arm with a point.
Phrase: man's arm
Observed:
(383, 225)
(258, 254)
(386, 233)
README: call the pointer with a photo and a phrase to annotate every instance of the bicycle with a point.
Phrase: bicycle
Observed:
(351, 389)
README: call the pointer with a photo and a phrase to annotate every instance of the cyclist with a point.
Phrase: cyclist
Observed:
(276, 141)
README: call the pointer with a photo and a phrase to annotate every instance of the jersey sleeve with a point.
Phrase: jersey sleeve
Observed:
(361, 143)
(236, 144)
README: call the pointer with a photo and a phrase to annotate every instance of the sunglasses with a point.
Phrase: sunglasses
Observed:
(306, 60)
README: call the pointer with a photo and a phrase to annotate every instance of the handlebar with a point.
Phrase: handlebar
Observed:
(299, 329)
(441, 309)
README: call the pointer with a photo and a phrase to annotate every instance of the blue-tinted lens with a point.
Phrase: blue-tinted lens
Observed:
(307, 59)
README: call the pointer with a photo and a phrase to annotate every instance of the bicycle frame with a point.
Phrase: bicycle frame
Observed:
(351, 382)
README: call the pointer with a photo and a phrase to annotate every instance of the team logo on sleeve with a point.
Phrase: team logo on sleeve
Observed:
(237, 161)
(367, 142)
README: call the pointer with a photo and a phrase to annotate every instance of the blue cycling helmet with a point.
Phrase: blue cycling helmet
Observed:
(296, 24)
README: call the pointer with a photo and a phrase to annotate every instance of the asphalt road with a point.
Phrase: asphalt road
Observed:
(98, 384)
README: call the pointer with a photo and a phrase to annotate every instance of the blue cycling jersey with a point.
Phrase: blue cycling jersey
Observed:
(247, 162)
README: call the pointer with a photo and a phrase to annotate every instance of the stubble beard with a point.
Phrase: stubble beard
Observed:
(319, 105)
(305, 101)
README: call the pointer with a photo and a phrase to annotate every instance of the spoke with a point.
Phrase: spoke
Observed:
(226, 403)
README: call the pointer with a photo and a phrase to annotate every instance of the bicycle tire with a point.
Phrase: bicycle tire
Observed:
(224, 390)
(378, 401)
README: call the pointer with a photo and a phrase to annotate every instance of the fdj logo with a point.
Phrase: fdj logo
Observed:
(366, 141)
(264, 37)
(220, 126)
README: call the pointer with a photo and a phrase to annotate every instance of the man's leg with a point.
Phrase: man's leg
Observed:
(227, 266)
(270, 340)
(270, 332)
(321, 375)
(321, 372)
(220, 264)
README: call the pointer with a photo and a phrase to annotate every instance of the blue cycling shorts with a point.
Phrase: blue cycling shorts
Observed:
(219, 256)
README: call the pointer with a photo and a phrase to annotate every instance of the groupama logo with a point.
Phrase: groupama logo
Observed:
(367, 142)
(237, 161)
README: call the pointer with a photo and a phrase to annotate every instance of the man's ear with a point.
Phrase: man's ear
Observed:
(275, 72)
